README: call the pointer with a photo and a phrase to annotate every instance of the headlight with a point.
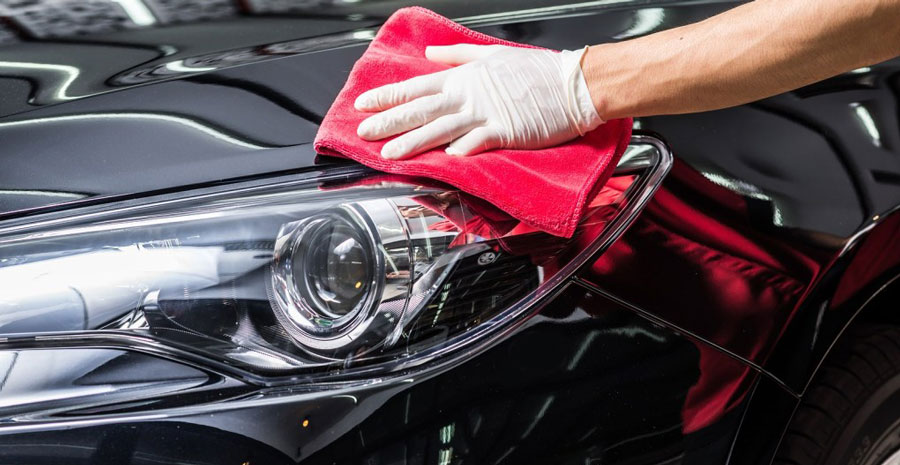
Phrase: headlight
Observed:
(279, 281)
(329, 278)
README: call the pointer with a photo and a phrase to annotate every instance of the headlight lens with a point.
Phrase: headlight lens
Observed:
(335, 267)
(328, 273)
(284, 280)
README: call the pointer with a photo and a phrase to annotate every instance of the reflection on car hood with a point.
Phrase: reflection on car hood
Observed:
(112, 101)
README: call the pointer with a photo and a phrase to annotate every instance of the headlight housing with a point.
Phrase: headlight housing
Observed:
(290, 281)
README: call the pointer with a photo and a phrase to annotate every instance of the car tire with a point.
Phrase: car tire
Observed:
(851, 412)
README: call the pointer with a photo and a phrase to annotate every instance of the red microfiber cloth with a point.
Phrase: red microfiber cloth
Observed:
(547, 189)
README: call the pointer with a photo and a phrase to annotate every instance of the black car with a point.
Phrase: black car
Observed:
(183, 280)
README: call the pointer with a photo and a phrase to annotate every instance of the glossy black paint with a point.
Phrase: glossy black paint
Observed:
(247, 111)
(585, 380)
(774, 217)
(774, 249)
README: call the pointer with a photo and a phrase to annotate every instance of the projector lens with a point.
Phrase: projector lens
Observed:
(328, 279)
(336, 268)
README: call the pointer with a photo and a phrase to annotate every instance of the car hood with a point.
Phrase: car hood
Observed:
(124, 110)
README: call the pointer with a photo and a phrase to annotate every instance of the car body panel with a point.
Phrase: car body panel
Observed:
(772, 231)
(239, 102)
(567, 377)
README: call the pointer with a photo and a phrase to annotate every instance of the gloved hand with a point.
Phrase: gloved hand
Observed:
(500, 97)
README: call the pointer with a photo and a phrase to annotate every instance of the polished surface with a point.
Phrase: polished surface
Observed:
(775, 225)
(251, 110)
(710, 271)
(584, 380)
(773, 231)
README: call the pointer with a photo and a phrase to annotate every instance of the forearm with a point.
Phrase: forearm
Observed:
(750, 52)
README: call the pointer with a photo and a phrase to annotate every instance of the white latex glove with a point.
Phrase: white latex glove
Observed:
(500, 97)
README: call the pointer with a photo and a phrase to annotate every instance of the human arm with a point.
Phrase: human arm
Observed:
(753, 51)
(529, 99)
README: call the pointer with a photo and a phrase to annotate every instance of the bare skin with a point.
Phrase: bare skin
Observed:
(754, 51)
